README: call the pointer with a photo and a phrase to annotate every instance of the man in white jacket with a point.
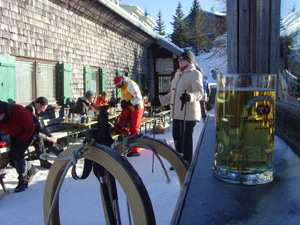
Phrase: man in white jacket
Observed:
(186, 92)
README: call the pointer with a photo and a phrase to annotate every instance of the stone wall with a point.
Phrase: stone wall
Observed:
(41, 29)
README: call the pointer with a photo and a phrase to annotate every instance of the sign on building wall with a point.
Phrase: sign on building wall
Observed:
(164, 66)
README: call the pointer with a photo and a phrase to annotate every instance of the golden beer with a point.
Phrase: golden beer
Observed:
(245, 128)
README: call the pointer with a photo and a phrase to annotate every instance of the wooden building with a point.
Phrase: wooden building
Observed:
(60, 49)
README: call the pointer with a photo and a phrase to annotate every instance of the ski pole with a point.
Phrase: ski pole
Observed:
(114, 196)
(154, 131)
(99, 172)
(154, 127)
(184, 123)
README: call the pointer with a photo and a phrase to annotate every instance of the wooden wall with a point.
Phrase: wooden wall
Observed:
(287, 125)
(76, 32)
(253, 36)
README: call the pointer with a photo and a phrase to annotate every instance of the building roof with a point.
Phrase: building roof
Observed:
(292, 22)
(145, 23)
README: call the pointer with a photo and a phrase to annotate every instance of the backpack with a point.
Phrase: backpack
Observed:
(121, 123)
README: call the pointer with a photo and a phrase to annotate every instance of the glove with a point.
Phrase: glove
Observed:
(155, 102)
(125, 104)
(185, 97)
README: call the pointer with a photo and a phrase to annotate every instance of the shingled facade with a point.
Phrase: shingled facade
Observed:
(69, 47)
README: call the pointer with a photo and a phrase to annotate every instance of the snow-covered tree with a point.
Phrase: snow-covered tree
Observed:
(160, 28)
(197, 36)
(180, 28)
(146, 12)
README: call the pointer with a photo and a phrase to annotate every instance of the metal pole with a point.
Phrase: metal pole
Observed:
(184, 124)
(154, 130)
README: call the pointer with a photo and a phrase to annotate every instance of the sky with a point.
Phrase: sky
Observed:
(168, 8)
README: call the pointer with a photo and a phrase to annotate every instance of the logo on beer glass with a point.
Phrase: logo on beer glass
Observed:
(263, 110)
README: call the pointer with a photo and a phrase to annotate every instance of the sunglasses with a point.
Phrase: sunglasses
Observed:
(181, 59)
(119, 85)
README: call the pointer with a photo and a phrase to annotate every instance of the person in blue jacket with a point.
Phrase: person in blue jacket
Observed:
(205, 98)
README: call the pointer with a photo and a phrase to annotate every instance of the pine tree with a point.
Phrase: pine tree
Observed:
(180, 29)
(197, 38)
(146, 12)
(293, 9)
(282, 27)
(160, 28)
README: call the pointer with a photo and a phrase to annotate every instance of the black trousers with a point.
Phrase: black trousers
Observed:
(40, 144)
(183, 140)
(18, 148)
(203, 110)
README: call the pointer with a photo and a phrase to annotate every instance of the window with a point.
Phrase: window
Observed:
(24, 84)
(46, 81)
(95, 81)
(34, 79)
(164, 84)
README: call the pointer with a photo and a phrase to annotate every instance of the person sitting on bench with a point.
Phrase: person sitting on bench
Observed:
(44, 139)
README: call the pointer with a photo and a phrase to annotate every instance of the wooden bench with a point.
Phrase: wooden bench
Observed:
(146, 121)
(162, 115)
(116, 137)
(56, 129)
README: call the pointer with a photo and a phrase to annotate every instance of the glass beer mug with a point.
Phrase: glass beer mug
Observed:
(245, 128)
(66, 114)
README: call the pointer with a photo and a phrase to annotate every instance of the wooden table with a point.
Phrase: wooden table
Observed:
(76, 128)
(162, 115)
(110, 116)
(149, 109)
(113, 116)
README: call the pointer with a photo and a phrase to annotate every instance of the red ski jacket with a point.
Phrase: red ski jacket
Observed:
(20, 124)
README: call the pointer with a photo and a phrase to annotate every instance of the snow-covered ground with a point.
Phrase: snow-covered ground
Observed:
(208, 62)
(80, 201)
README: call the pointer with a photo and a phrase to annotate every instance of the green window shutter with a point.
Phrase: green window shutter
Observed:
(103, 79)
(87, 71)
(119, 95)
(66, 73)
(8, 78)
(128, 75)
(139, 80)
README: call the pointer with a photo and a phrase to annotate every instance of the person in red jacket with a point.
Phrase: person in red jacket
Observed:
(132, 100)
(23, 127)
(101, 99)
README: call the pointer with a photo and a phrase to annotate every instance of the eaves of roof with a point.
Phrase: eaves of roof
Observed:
(160, 40)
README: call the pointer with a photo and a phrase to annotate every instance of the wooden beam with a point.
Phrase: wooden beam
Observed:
(253, 36)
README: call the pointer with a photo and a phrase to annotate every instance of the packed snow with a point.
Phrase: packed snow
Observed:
(80, 201)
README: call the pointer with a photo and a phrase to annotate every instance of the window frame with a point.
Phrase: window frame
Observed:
(98, 79)
(36, 63)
